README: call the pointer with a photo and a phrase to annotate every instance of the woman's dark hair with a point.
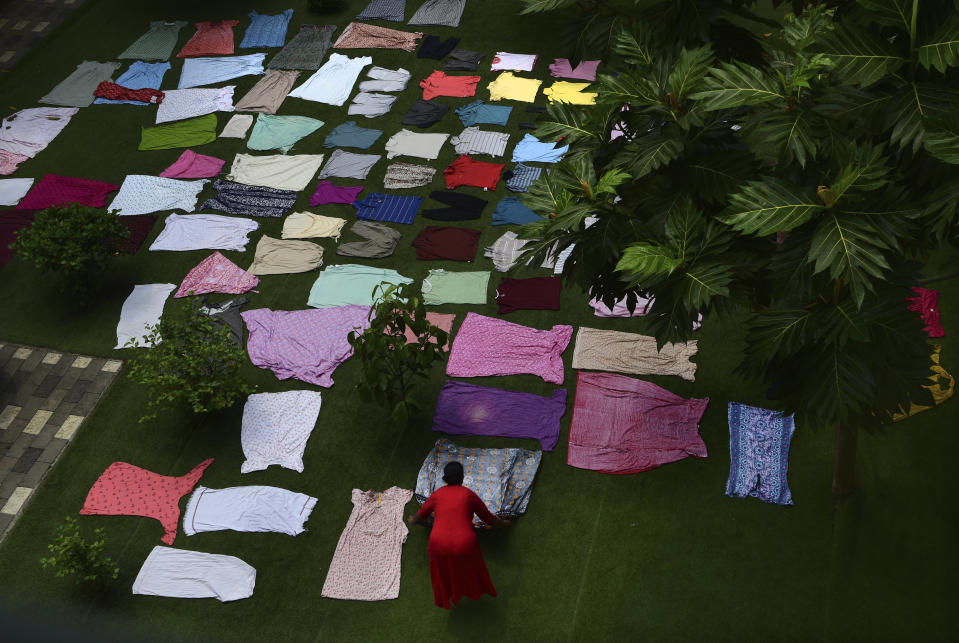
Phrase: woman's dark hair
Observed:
(453, 473)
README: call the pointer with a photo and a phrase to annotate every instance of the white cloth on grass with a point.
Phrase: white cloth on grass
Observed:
(385, 80)
(178, 573)
(280, 171)
(253, 508)
(142, 308)
(12, 190)
(421, 145)
(28, 131)
(333, 82)
(186, 103)
(276, 427)
(143, 194)
(204, 232)
(208, 71)
(237, 126)
(513, 62)
(371, 104)
(474, 140)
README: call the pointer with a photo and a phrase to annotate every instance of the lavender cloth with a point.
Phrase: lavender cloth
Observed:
(585, 70)
(468, 409)
(326, 192)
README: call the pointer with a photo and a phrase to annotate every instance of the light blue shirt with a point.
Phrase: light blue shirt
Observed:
(266, 31)
(531, 149)
(351, 284)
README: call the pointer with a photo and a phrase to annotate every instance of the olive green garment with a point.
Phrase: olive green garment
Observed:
(193, 131)
(442, 287)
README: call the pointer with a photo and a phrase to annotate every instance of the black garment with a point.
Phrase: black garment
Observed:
(435, 48)
(250, 200)
(463, 60)
(228, 313)
(536, 108)
(425, 113)
(462, 207)
(527, 125)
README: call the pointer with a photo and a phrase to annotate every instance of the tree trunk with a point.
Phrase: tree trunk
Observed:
(844, 467)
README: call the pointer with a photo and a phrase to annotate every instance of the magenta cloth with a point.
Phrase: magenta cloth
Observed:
(10, 223)
(926, 303)
(326, 192)
(489, 346)
(468, 409)
(139, 226)
(585, 70)
(216, 273)
(191, 165)
(305, 344)
(625, 425)
(54, 189)
(538, 293)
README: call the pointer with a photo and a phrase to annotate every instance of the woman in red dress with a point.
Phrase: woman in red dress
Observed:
(456, 564)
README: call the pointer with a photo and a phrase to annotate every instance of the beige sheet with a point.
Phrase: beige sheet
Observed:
(631, 353)
(281, 171)
(276, 257)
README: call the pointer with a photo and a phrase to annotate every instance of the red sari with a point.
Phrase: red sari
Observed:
(456, 564)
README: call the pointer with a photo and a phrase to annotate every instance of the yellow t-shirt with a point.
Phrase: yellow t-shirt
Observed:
(942, 387)
(511, 87)
(565, 92)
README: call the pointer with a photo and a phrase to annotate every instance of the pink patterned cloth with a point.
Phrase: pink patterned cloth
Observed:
(443, 321)
(305, 344)
(489, 346)
(54, 189)
(191, 165)
(926, 303)
(619, 308)
(585, 70)
(216, 273)
(366, 563)
(9, 161)
(625, 425)
(127, 490)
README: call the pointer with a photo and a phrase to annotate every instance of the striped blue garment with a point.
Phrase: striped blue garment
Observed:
(266, 31)
(523, 177)
(388, 207)
(394, 10)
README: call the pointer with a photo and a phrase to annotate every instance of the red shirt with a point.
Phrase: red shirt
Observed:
(466, 171)
(439, 84)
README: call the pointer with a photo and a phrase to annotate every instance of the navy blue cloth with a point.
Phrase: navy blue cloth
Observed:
(250, 200)
(388, 207)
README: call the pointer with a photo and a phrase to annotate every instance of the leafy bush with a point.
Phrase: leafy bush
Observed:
(72, 240)
(73, 555)
(390, 364)
(192, 360)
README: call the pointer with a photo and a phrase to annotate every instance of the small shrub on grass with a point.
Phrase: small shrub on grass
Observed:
(71, 554)
(193, 360)
(390, 364)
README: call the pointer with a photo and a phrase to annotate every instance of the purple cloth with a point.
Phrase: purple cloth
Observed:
(585, 70)
(759, 453)
(54, 189)
(191, 165)
(468, 409)
(305, 344)
(326, 192)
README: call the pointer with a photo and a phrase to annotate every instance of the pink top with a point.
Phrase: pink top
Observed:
(585, 70)
(210, 39)
(127, 490)
(490, 346)
(926, 303)
(54, 189)
(191, 165)
(443, 321)
(216, 273)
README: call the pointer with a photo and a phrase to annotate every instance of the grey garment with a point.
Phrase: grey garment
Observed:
(394, 10)
(269, 92)
(348, 165)
(385, 80)
(439, 12)
(76, 90)
(463, 60)
(349, 134)
(425, 113)
(157, 43)
(473, 140)
(306, 50)
(380, 241)
(227, 313)
(408, 175)
(370, 104)
(505, 251)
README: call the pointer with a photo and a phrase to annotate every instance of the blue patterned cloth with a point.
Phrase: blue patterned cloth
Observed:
(759, 453)
(388, 207)
(512, 210)
(480, 112)
(250, 200)
(266, 31)
(139, 75)
(523, 177)
(502, 478)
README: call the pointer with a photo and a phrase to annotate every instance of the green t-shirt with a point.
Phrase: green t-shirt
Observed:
(442, 287)
(193, 131)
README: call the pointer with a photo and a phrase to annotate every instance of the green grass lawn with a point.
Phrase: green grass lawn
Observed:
(657, 556)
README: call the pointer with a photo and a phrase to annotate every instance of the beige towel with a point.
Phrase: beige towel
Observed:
(275, 257)
(280, 171)
(302, 225)
(617, 352)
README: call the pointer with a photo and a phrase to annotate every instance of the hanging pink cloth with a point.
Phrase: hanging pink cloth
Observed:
(191, 165)
(126, 490)
(625, 425)
(53, 190)
(926, 303)
(216, 273)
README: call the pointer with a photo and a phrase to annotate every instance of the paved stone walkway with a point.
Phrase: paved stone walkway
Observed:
(24, 23)
(44, 398)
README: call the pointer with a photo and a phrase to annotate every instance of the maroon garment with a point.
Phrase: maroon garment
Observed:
(625, 425)
(538, 293)
(437, 242)
(10, 222)
(54, 189)
(106, 89)
(139, 226)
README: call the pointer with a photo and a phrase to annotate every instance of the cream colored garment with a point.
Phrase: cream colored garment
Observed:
(275, 257)
(281, 171)
(302, 225)
(610, 350)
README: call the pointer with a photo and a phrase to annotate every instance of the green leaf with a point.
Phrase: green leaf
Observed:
(569, 121)
(610, 179)
(801, 31)
(779, 330)
(942, 136)
(908, 110)
(767, 206)
(737, 85)
(629, 87)
(705, 281)
(860, 57)
(851, 250)
(642, 261)
(684, 227)
(691, 67)
(864, 170)
(893, 13)
(782, 136)
(635, 45)
(649, 152)
(539, 6)
(714, 176)
(942, 50)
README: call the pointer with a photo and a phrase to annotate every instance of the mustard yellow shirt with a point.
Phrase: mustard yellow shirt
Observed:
(942, 387)
(512, 87)
(565, 92)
